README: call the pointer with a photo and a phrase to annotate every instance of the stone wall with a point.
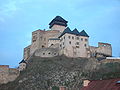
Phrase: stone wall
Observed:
(26, 52)
(7, 74)
(58, 27)
(47, 52)
(74, 46)
(40, 39)
(103, 50)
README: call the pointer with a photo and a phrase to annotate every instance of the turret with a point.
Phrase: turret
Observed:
(58, 23)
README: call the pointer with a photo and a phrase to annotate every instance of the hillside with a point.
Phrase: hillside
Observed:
(41, 73)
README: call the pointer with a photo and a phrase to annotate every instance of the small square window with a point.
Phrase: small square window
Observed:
(60, 45)
(69, 37)
(43, 53)
(86, 39)
(85, 45)
(77, 43)
(77, 46)
(77, 38)
(44, 39)
(72, 37)
(69, 42)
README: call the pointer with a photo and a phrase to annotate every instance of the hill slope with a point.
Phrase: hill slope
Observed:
(41, 73)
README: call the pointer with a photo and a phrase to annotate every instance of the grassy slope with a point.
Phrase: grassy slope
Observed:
(42, 73)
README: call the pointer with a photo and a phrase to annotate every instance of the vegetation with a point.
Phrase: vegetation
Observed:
(42, 73)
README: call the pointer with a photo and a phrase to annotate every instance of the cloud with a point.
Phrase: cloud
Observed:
(9, 8)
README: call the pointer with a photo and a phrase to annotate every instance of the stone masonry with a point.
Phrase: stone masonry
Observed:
(61, 40)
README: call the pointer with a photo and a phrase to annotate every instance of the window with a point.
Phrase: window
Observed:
(77, 38)
(77, 43)
(85, 45)
(72, 37)
(43, 46)
(52, 44)
(44, 39)
(54, 53)
(60, 45)
(34, 38)
(61, 39)
(64, 37)
(43, 53)
(49, 53)
(81, 39)
(86, 40)
(40, 38)
(77, 46)
(63, 43)
(69, 42)
(69, 37)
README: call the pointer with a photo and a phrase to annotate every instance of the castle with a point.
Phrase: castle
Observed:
(60, 40)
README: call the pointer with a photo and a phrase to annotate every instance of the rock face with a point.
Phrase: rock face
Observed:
(43, 73)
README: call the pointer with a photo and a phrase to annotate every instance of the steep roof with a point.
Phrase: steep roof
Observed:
(67, 30)
(111, 84)
(75, 31)
(83, 33)
(58, 20)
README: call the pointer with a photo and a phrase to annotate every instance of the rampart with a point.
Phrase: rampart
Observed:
(7, 74)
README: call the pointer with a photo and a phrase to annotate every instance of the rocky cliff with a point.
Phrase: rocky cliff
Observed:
(42, 73)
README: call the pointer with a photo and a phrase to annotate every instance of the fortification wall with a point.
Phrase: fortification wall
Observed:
(40, 39)
(26, 52)
(7, 74)
(103, 50)
(110, 60)
(47, 52)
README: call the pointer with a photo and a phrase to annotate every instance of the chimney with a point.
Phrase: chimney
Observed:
(86, 83)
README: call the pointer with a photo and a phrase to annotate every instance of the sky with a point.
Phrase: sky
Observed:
(19, 18)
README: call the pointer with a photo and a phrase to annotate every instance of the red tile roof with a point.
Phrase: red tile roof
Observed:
(110, 84)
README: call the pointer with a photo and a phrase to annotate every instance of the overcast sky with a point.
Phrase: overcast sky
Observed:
(18, 18)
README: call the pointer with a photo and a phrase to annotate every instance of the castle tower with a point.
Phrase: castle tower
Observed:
(58, 23)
